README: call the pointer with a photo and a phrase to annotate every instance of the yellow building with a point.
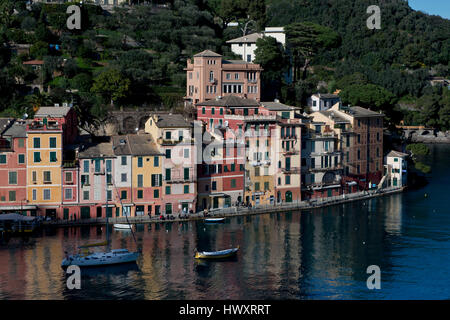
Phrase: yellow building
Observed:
(46, 134)
(146, 175)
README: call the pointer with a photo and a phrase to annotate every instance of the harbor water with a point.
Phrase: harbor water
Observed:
(316, 254)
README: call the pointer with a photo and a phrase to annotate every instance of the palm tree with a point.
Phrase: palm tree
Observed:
(38, 100)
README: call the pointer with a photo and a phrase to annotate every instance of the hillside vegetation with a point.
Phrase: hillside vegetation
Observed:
(134, 57)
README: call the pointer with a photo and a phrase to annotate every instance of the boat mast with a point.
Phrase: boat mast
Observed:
(106, 209)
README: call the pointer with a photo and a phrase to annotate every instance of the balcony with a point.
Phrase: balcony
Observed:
(213, 81)
(291, 170)
(70, 163)
(252, 80)
(319, 169)
(173, 142)
(40, 126)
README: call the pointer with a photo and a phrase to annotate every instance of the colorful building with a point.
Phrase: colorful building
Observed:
(175, 141)
(47, 134)
(13, 168)
(210, 76)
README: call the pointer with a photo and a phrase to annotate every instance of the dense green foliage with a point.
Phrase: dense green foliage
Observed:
(418, 149)
(147, 48)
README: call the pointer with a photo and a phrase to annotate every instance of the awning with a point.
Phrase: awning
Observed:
(327, 187)
(352, 183)
(219, 195)
(109, 206)
(20, 208)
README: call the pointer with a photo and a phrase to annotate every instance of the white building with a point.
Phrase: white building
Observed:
(321, 101)
(396, 166)
(245, 46)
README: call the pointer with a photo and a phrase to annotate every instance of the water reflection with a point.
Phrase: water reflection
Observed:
(317, 254)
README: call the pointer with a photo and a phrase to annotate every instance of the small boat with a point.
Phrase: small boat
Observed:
(214, 220)
(116, 256)
(228, 253)
(122, 226)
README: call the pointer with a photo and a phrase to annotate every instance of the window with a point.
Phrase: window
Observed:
(68, 194)
(86, 166)
(47, 194)
(233, 183)
(236, 76)
(212, 110)
(47, 177)
(214, 185)
(21, 143)
(359, 154)
(156, 193)
(34, 176)
(186, 173)
(221, 111)
(228, 76)
(12, 177)
(123, 177)
(140, 194)
(168, 174)
(108, 178)
(21, 159)
(109, 194)
(69, 177)
(359, 138)
(186, 153)
(37, 157)
(168, 135)
(233, 167)
(123, 194)
(84, 180)
(156, 161)
(266, 171)
(2, 158)
(108, 165)
(139, 162)
(52, 142)
(256, 172)
(34, 194)
(256, 186)
(124, 161)
(167, 189)
(168, 153)
(36, 143)
(288, 180)
(186, 189)
(12, 196)
(249, 58)
(140, 180)
(53, 157)
(266, 186)
(156, 180)
(395, 159)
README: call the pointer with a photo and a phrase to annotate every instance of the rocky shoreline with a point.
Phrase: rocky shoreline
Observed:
(438, 137)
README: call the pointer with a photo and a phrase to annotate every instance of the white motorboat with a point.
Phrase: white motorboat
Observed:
(116, 256)
(122, 226)
(214, 220)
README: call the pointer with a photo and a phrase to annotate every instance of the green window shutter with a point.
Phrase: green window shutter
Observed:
(186, 189)
(186, 173)
(167, 189)
(156, 193)
(2, 158)
(53, 156)
(140, 194)
(52, 142)
(21, 158)
(37, 157)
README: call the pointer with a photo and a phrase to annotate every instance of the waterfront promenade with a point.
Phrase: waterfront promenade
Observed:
(236, 211)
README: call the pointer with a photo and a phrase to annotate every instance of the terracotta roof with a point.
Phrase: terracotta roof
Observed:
(34, 62)
(230, 101)
(207, 53)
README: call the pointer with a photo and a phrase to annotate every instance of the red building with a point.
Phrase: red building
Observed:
(13, 167)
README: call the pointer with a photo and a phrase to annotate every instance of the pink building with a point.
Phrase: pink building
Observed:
(13, 167)
(95, 183)
(179, 171)
(210, 76)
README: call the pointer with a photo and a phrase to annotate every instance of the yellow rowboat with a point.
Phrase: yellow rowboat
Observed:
(228, 253)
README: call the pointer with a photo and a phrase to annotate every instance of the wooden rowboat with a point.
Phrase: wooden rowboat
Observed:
(228, 253)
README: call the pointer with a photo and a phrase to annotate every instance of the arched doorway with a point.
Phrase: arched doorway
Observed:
(288, 196)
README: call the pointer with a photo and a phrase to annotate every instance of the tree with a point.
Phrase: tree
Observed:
(306, 39)
(111, 85)
(368, 96)
(38, 100)
(270, 55)
(81, 82)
